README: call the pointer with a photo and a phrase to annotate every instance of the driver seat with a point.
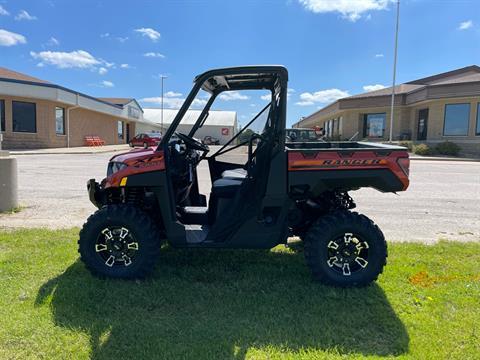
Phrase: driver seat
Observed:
(236, 174)
(226, 188)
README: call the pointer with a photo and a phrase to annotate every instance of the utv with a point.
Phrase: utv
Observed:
(282, 190)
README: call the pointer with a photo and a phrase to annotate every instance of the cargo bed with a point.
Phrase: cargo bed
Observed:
(315, 167)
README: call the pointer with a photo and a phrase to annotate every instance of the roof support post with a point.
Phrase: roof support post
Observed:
(394, 72)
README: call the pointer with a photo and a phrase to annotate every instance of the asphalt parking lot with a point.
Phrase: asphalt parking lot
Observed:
(443, 201)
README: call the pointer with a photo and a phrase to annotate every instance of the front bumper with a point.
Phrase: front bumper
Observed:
(94, 193)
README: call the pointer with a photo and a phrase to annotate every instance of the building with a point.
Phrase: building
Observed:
(35, 113)
(221, 125)
(434, 109)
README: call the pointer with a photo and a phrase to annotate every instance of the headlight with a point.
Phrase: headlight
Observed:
(115, 166)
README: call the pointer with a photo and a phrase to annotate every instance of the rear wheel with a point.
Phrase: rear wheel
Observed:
(119, 241)
(345, 249)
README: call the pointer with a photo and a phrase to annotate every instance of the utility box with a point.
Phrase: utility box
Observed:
(8, 182)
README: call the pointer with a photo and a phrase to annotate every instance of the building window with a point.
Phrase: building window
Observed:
(24, 116)
(2, 115)
(477, 131)
(120, 129)
(59, 121)
(456, 119)
(374, 125)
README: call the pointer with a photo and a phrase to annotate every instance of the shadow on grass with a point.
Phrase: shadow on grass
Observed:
(221, 304)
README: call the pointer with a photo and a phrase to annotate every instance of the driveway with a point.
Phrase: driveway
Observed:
(443, 200)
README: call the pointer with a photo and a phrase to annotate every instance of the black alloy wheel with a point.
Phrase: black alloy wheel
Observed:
(116, 246)
(120, 241)
(345, 249)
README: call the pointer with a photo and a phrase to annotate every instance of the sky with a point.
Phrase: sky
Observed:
(332, 48)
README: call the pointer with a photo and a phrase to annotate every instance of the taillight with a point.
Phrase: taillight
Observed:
(404, 165)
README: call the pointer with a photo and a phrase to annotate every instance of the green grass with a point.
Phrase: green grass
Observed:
(234, 305)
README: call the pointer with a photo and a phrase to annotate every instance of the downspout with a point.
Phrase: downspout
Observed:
(68, 119)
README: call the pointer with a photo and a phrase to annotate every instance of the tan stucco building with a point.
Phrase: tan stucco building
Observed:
(35, 113)
(429, 110)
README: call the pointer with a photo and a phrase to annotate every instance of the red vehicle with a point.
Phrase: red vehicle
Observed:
(146, 140)
(283, 189)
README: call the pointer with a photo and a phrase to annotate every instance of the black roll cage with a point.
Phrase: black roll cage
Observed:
(257, 77)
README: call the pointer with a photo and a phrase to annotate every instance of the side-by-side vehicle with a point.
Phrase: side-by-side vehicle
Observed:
(283, 189)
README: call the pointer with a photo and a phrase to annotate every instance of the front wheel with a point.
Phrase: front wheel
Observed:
(119, 241)
(345, 249)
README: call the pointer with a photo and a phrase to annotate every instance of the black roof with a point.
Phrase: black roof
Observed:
(242, 77)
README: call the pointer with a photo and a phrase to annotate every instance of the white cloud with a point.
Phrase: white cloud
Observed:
(375, 87)
(154, 55)
(125, 66)
(173, 100)
(464, 25)
(24, 15)
(232, 95)
(322, 97)
(172, 94)
(107, 64)
(379, 55)
(52, 42)
(105, 35)
(349, 9)
(198, 102)
(268, 96)
(63, 60)
(149, 32)
(122, 39)
(102, 71)
(3, 11)
(8, 38)
(107, 84)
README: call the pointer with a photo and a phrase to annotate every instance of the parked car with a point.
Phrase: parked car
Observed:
(210, 140)
(146, 140)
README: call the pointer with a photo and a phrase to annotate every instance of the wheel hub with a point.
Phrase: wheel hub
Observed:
(116, 246)
(347, 254)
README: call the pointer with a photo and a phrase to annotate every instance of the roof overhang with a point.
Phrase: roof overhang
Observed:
(56, 93)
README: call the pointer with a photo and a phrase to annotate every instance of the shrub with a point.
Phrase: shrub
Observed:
(407, 144)
(423, 149)
(448, 148)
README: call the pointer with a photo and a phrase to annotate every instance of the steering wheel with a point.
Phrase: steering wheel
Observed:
(192, 143)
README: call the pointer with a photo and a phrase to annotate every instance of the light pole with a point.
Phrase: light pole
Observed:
(161, 124)
(394, 72)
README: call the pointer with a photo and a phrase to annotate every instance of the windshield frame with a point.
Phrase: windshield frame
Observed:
(229, 79)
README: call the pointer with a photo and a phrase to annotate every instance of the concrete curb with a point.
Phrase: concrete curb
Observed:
(81, 152)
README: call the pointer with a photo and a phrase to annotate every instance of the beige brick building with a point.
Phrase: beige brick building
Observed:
(35, 113)
(437, 108)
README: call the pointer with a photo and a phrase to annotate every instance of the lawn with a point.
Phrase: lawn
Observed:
(235, 305)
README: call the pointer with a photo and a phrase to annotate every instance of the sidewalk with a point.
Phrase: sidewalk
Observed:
(73, 150)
